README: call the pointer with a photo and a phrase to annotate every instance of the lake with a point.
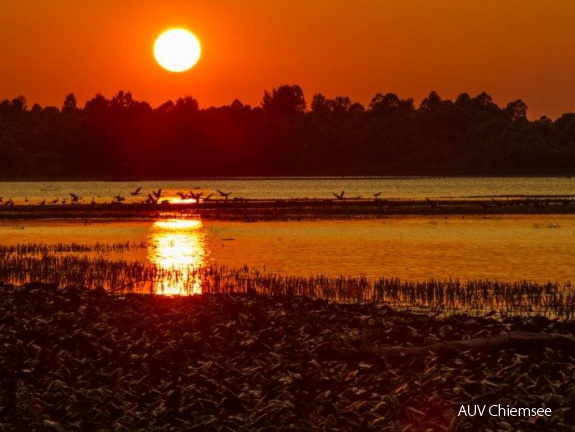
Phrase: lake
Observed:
(508, 248)
(536, 248)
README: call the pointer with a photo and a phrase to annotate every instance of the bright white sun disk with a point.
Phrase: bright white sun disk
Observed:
(177, 50)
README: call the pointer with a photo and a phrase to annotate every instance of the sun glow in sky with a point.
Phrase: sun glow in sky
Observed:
(511, 49)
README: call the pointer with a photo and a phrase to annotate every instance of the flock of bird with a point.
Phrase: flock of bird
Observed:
(155, 197)
(198, 197)
(341, 196)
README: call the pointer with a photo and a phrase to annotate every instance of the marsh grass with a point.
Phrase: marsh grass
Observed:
(42, 248)
(79, 265)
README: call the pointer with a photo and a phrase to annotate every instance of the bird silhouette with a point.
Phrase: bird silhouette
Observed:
(207, 198)
(157, 194)
(226, 195)
(340, 196)
(43, 203)
(64, 201)
(9, 203)
(136, 192)
(151, 200)
(75, 198)
(196, 196)
(55, 201)
(182, 195)
(118, 199)
(377, 195)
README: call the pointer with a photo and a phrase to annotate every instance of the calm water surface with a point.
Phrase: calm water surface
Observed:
(536, 248)
(277, 188)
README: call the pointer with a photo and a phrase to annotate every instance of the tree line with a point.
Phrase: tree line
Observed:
(122, 137)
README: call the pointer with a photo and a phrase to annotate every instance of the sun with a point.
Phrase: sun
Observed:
(177, 50)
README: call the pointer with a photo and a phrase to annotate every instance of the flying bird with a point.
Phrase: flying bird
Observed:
(340, 196)
(196, 196)
(377, 195)
(226, 195)
(75, 198)
(157, 194)
(151, 200)
(136, 192)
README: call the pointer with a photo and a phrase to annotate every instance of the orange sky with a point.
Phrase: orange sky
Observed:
(509, 48)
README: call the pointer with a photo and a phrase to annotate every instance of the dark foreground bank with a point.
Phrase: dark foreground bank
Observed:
(73, 359)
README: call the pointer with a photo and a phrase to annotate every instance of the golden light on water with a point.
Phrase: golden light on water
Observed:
(177, 247)
(178, 224)
(178, 200)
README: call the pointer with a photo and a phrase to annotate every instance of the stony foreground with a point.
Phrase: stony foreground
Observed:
(72, 359)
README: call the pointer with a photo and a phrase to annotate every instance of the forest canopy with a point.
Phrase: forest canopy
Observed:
(122, 137)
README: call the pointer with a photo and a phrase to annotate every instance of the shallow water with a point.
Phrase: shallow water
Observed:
(510, 248)
(285, 188)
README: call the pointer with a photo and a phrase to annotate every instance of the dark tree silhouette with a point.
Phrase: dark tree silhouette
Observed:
(432, 102)
(389, 104)
(483, 100)
(187, 104)
(20, 103)
(356, 107)
(97, 104)
(124, 137)
(70, 103)
(338, 105)
(319, 103)
(284, 100)
(517, 110)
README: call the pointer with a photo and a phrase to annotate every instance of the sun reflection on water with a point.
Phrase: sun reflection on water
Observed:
(177, 247)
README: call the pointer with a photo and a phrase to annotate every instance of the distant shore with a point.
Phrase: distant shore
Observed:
(294, 209)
